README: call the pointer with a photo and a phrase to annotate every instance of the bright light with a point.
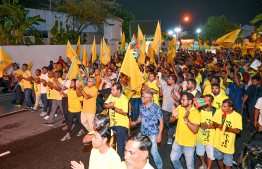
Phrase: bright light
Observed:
(170, 32)
(186, 18)
(198, 30)
(178, 29)
(174, 35)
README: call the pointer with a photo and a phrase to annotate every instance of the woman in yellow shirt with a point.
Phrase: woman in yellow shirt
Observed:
(74, 107)
(102, 155)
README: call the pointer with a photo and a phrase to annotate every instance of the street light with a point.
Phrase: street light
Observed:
(198, 31)
(186, 18)
(170, 32)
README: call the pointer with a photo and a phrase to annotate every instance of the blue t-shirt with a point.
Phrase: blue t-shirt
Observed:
(236, 94)
(149, 119)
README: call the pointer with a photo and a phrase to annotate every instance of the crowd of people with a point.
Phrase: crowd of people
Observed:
(227, 84)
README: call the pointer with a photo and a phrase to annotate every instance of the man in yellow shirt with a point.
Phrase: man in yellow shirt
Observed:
(218, 97)
(27, 78)
(90, 93)
(152, 86)
(37, 89)
(57, 98)
(117, 103)
(228, 123)
(49, 92)
(205, 134)
(207, 89)
(188, 123)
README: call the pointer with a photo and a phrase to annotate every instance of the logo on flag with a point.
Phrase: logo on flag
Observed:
(134, 43)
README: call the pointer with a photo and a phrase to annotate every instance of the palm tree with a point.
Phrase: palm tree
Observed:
(257, 19)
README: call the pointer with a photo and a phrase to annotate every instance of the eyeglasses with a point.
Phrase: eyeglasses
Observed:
(143, 97)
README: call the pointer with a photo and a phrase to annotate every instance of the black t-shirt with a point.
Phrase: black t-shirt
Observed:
(253, 94)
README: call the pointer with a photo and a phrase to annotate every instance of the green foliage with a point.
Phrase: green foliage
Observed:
(84, 13)
(257, 19)
(215, 27)
(126, 17)
(14, 23)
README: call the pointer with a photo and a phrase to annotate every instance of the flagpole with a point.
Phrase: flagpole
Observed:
(167, 49)
(140, 47)
(68, 73)
(232, 45)
(15, 61)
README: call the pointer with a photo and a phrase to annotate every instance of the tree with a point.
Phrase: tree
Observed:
(257, 19)
(14, 23)
(84, 13)
(215, 27)
(126, 17)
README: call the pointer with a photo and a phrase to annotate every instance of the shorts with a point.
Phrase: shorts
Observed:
(227, 158)
(201, 149)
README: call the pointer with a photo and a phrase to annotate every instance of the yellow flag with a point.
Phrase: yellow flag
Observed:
(142, 53)
(186, 45)
(130, 68)
(70, 52)
(109, 52)
(225, 45)
(85, 58)
(5, 60)
(208, 47)
(244, 49)
(103, 54)
(78, 47)
(74, 72)
(140, 35)
(199, 42)
(157, 39)
(171, 52)
(93, 51)
(30, 64)
(151, 55)
(123, 41)
(230, 37)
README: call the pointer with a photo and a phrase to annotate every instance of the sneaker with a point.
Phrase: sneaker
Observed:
(41, 108)
(169, 141)
(64, 128)
(43, 113)
(48, 124)
(66, 137)
(80, 133)
(28, 108)
(33, 110)
(46, 117)
(63, 122)
(202, 167)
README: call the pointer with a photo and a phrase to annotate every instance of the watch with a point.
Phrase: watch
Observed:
(186, 121)
(113, 108)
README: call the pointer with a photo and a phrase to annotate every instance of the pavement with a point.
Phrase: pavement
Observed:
(33, 145)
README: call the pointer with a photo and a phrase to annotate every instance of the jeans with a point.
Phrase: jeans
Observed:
(154, 152)
(17, 93)
(65, 109)
(176, 153)
(49, 105)
(44, 99)
(120, 139)
(55, 105)
(28, 97)
(70, 120)
(251, 111)
(135, 103)
(171, 126)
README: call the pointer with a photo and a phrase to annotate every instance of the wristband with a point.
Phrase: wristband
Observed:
(113, 108)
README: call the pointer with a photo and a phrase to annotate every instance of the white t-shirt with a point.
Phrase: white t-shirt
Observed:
(67, 84)
(108, 160)
(259, 106)
(45, 77)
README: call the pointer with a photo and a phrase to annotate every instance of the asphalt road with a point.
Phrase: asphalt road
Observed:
(33, 146)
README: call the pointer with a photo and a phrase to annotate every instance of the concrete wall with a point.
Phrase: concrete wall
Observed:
(42, 54)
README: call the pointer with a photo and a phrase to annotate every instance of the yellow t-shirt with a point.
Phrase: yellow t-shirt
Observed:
(74, 102)
(206, 116)
(153, 85)
(56, 94)
(199, 78)
(37, 87)
(27, 84)
(217, 103)
(118, 64)
(184, 136)
(89, 106)
(146, 76)
(225, 141)
(117, 119)
(110, 159)
(138, 92)
(49, 91)
(18, 72)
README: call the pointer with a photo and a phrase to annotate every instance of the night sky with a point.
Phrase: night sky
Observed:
(171, 12)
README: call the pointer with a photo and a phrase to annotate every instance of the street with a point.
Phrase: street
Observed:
(33, 145)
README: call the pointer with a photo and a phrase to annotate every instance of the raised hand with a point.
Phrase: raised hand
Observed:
(175, 111)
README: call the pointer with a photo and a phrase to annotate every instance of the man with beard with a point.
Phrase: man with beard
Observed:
(218, 97)
(191, 88)
(170, 97)
(188, 123)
